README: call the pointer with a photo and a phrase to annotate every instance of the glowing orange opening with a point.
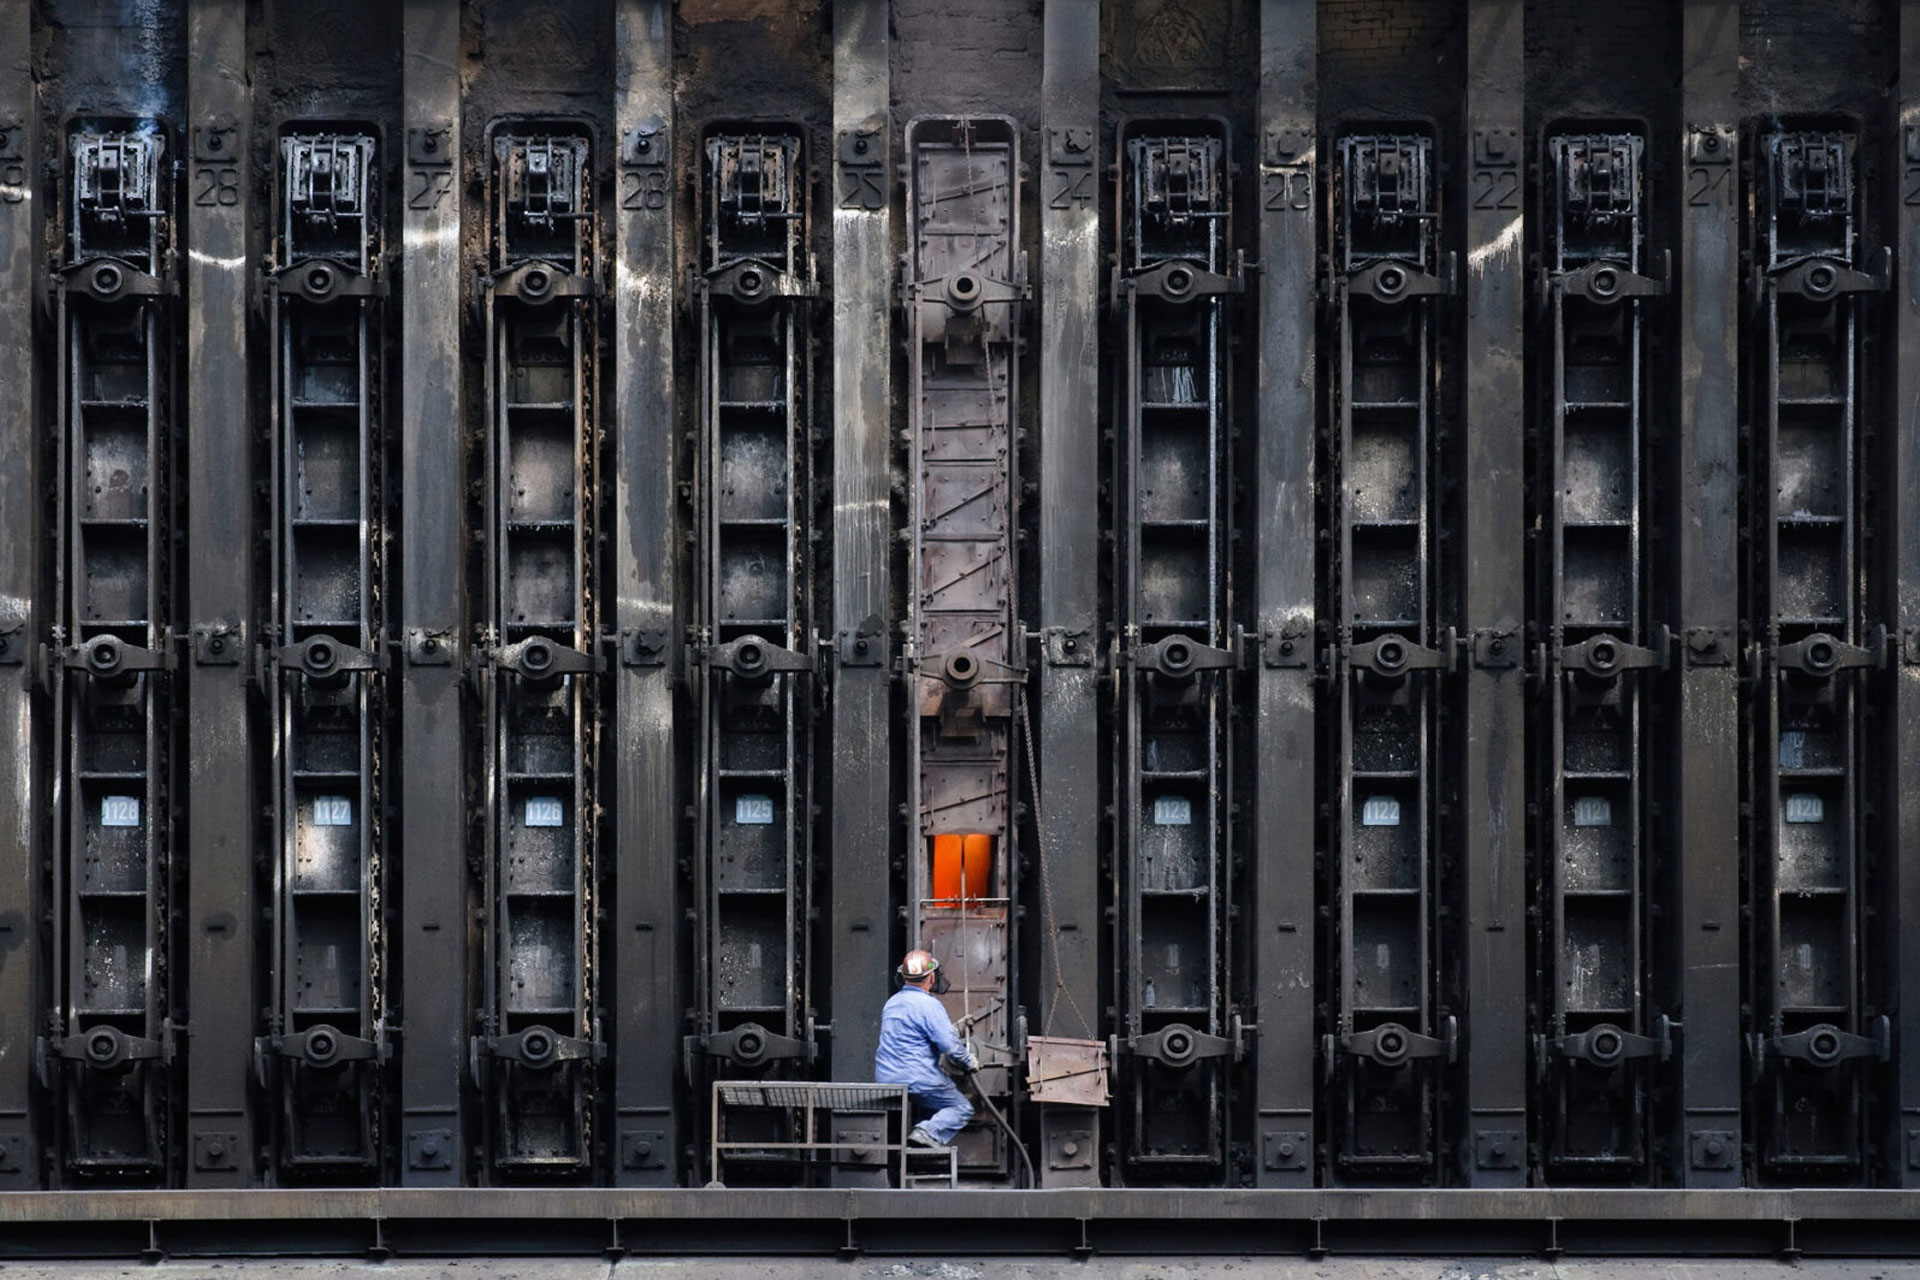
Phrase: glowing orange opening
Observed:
(963, 867)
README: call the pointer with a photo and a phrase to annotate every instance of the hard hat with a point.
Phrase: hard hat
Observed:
(917, 965)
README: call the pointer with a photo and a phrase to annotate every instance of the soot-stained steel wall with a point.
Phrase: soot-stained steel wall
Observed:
(1348, 567)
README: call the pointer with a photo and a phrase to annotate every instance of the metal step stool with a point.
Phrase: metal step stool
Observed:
(931, 1167)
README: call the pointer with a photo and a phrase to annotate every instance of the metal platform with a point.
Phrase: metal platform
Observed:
(807, 1104)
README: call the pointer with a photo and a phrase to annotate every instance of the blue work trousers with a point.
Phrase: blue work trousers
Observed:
(949, 1106)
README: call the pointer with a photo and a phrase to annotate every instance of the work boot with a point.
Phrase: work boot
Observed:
(921, 1138)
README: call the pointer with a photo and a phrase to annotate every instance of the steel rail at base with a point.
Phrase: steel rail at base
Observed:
(1551, 1224)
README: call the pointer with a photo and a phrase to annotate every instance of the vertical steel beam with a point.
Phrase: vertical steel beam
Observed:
(861, 747)
(433, 950)
(1706, 794)
(21, 502)
(1283, 923)
(646, 1000)
(1492, 779)
(1900, 533)
(1069, 748)
(221, 993)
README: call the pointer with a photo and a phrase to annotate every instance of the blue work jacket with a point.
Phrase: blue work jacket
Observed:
(914, 1032)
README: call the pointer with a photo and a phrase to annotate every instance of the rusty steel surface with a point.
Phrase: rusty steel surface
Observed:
(1350, 567)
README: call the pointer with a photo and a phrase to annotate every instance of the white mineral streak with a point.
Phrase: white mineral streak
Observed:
(1507, 242)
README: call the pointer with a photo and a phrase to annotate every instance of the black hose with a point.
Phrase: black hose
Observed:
(1001, 1120)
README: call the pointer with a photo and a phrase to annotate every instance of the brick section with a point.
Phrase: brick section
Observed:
(1816, 55)
(954, 57)
(1390, 56)
(1616, 58)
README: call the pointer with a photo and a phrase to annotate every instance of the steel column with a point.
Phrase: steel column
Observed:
(644, 994)
(859, 865)
(21, 611)
(432, 980)
(1705, 951)
(1283, 927)
(1900, 537)
(221, 823)
(1068, 816)
(1492, 778)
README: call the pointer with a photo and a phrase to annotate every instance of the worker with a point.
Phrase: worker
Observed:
(915, 1034)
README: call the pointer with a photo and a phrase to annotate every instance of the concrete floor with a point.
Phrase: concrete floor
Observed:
(1104, 1268)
